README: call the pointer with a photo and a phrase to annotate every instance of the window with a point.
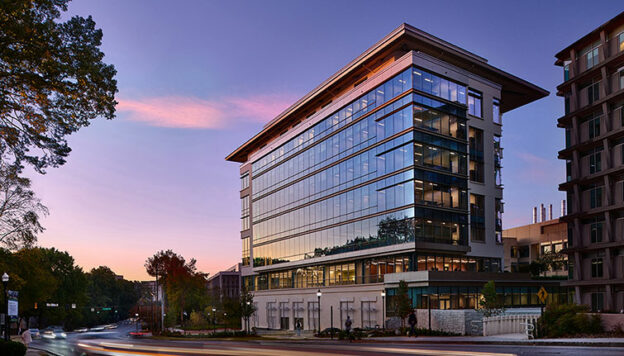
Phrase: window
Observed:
(621, 77)
(620, 39)
(568, 137)
(499, 220)
(566, 100)
(592, 57)
(593, 92)
(475, 140)
(498, 157)
(246, 251)
(245, 181)
(595, 161)
(474, 103)
(594, 127)
(596, 268)
(566, 71)
(595, 230)
(313, 310)
(496, 113)
(546, 249)
(595, 197)
(245, 213)
(597, 300)
(283, 313)
(368, 315)
(523, 251)
(568, 170)
(298, 313)
(346, 309)
(271, 315)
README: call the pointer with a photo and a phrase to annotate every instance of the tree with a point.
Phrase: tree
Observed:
(52, 81)
(247, 307)
(489, 304)
(185, 286)
(548, 261)
(19, 210)
(403, 302)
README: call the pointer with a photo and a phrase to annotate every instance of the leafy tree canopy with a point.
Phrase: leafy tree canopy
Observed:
(19, 210)
(53, 81)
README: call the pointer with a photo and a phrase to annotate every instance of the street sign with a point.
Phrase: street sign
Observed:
(12, 303)
(542, 294)
(52, 305)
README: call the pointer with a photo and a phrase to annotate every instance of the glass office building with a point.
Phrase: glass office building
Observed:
(390, 166)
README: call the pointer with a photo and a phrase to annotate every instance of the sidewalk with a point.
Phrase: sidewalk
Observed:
(506, 339)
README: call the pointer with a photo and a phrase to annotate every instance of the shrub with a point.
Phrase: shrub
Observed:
(568, 320)
(12, 348)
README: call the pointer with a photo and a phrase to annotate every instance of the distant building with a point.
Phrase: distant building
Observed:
(525, 244)
(225, 284)
(593, 92)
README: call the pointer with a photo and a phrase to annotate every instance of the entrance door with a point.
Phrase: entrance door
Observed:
(284, 323)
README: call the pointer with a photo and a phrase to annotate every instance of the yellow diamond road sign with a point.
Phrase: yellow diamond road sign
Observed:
(542, 295)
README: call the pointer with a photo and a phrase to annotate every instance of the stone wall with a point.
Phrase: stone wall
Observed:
(459, 321)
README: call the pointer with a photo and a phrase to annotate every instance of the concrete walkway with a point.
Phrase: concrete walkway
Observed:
(506, 339)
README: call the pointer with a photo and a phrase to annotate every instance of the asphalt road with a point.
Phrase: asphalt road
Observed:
(116, 342)
(67, 347)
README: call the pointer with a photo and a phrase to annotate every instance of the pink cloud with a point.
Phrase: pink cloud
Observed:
(196, 113)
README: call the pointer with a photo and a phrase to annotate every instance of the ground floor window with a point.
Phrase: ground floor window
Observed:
(284, 319)
(298, 314)
(313, 310)
(369, 313)
(346, 309)
(597, 300)
(271, 315)
(254, 316)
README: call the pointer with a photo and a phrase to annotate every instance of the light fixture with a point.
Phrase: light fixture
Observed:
(383, 293)
(5, 277)
(319, 294)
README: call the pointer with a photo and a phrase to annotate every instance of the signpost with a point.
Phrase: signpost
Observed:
(542, 294)
(12, 304)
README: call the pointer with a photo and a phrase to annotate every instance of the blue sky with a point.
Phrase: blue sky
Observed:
(198, 78)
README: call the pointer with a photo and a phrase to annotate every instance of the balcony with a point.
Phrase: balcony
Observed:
(587, 61)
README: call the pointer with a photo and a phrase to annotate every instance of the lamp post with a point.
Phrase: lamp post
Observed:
(318, 296)
(5, 281)
(247, 316)
(383, 309)
(136, 316)
(214, 320)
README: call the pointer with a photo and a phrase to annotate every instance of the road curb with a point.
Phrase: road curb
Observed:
(44, 350)
(455, 342)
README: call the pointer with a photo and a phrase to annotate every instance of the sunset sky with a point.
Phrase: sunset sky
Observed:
(198, 78)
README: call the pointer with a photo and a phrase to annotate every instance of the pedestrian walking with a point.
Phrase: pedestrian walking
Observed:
(298, 327)
(412, 322)
(26, 337)
(348, 327)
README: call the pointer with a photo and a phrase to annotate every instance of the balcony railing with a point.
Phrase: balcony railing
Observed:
(613, 47)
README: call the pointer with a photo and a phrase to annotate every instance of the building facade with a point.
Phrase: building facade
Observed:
(225, 284)
(593, 91)
(392, 165)
(525, 244)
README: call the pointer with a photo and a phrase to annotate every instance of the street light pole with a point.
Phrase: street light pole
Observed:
(214, 320)
(247, 316)
(5, 281)
(318, 296)
(383, 309)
